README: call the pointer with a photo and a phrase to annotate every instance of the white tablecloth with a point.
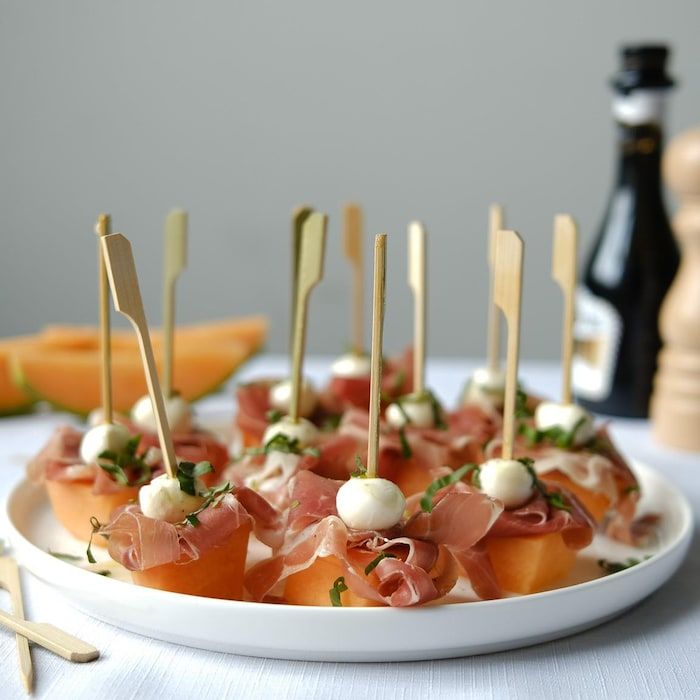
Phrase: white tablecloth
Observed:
(651, 651)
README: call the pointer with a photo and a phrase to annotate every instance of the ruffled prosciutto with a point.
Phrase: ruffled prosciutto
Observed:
(59, 460)
(253, 400)
(314, 530)
(139, 542)
(194, 446)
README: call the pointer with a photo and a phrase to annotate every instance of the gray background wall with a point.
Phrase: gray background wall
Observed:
(238, 111)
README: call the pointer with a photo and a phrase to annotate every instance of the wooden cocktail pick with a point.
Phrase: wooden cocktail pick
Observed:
(493, 336)
(127, 300)
(352, 245)
(309, 272)
(376, 353)
(299, 216)
(416, 281)
(175, 261)
(564, 274)
(10, 581)
(508, 276)
(104, 228)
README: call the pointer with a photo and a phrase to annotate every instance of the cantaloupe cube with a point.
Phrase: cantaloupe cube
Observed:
(217, 573)
(597, 504)
(74, 503)
(529, 564)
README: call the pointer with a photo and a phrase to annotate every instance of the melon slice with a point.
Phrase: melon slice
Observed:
(13, 399)
(217, 573)
(69, 379)
(531, 563)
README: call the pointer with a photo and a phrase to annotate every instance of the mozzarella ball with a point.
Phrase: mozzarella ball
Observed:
(304, 431)
(486, 385)
(108, 436)
(507, 480)
(565, 416)
(370, 504)
(163, 499)
(351, 366)
(281, 397)
(177, 411)
(418, 412)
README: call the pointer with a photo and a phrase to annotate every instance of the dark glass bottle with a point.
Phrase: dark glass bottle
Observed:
(634, 258)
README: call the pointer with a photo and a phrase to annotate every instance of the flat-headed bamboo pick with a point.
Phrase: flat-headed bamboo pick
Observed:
(175, 259)
(310, 270)
(493, 337)
(51, 638)
(564, 274)
(10, 581)
(508, 272)
(127, 300)
(299, 216)
(352, 244)
(376, 353)
(104, 228)
(416, 281)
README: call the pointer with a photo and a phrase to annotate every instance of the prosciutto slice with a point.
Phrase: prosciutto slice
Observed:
(194, 446)
(253, 401)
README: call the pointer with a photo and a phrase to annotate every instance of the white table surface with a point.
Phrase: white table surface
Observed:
(651, 651)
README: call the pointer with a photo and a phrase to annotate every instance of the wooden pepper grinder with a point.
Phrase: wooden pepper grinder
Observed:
(675, 403)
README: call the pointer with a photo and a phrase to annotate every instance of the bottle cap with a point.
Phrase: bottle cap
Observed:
(643, 67)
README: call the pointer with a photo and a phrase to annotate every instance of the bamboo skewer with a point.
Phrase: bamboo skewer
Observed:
(508, 273)
(104, 228)
(416, 280)
(493, 337)
(175, 262)
(51, 638)
(10, 581)
(352, 244)
(299, 216)
(127, 300)
(564, 274)
(312, 246)
(376, 353)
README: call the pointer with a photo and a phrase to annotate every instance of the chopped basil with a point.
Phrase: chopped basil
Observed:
(360, 469)
(118, 462)
(274, 416)
(103, 573)
(331, 423)
(96, 525)
(64, 556)
(399, 381)
(426, 503)
(283, 443)
(556, 435)
(406, 451)
(373, 564)
(521, 408)
(632, 489)
(612, 567)
(294, 504)
(438, 419)
(339, 586)
(212, 498)
(554, 498)
(187, 473)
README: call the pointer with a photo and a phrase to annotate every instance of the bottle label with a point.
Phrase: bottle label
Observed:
(596, 337)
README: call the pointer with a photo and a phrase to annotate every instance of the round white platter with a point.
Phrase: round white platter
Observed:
(359, 634)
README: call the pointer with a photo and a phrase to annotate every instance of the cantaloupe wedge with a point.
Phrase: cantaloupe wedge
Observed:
(312, 586)
(529, 564)
(69, 378)
(12, 398)
(217, 573)
(74, 503)
(597, 504)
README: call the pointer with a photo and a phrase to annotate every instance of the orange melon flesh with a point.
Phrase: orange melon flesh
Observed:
(69, 379)
(74, 503)
(12, 398)
(312, 585)
(217, 573)
(597, 504)
(529, 564)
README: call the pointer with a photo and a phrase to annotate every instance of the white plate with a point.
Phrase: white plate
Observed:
(358, 634)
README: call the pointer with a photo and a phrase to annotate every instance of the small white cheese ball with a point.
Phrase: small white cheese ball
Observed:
(418, 412)
(565, 416)
(177, 410)
(486, 385)
(370, 504)
(163, 499)
(281, 397)
(108, 436)
(351, 366)
(507, 480)
(304, 431)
